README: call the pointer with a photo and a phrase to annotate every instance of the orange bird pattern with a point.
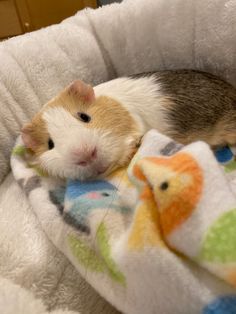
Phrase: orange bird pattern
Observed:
(177, 184)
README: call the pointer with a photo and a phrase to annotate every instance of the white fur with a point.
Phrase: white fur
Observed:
(68, 134)
(140, 96)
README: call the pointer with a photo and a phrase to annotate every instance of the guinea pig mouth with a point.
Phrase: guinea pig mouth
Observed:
(95, 170)
(101, 170)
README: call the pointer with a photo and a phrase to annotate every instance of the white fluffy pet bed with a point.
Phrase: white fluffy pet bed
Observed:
(94, 45)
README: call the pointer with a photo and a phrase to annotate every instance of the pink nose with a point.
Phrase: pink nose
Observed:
(85, 157)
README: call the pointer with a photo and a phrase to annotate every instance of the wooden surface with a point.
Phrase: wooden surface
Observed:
(9, 21)
(19, 16)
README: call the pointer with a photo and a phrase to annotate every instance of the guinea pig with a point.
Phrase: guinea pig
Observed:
(78, 135)
(87, 132)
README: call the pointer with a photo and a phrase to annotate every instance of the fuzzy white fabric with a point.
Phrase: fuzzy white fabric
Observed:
(16, 300)
(29, 259)
(95, 45)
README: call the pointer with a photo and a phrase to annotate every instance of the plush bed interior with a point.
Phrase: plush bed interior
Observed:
(96, 46)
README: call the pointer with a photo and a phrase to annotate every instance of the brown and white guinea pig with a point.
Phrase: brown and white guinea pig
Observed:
(87, 132)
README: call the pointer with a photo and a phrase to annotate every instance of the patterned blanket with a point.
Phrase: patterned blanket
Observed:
(158, 237)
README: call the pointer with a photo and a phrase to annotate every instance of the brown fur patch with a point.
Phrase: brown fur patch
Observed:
(38, 131)
(222, 133)
(106, 113)
(203, 107)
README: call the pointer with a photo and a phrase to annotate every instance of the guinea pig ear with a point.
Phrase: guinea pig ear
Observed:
(83, 91)
(27, 137)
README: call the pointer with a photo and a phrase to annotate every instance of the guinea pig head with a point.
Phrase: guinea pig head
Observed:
(77, 135)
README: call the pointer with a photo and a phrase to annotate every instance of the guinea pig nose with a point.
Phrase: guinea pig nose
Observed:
(83, 158)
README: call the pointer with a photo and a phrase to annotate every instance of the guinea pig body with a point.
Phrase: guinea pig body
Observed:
(87, 132)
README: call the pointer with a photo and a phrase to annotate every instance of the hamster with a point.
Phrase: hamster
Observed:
(87, 132)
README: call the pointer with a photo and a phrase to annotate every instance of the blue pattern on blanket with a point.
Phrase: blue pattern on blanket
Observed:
(224, 154)
(222, 305)
(77, 188)
(84, 197)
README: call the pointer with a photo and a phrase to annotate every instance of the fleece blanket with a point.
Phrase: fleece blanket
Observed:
(144, 236)
(94, 45)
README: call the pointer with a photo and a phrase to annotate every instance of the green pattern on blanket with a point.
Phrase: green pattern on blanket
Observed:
(38, 170)
(231, 166)
(22, 151)
(85, 255)
(90, 259)
(220, 242)
(105, 250)
(19, 150)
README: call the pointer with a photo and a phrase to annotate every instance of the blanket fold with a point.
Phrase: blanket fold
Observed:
(148, 237)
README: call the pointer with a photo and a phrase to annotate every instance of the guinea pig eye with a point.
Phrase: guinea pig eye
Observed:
(50, 144)
(164, 186)
(84, 117)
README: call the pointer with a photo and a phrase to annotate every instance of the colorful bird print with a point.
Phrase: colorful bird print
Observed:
(177, 183)
(218, 250)
(83, 197)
